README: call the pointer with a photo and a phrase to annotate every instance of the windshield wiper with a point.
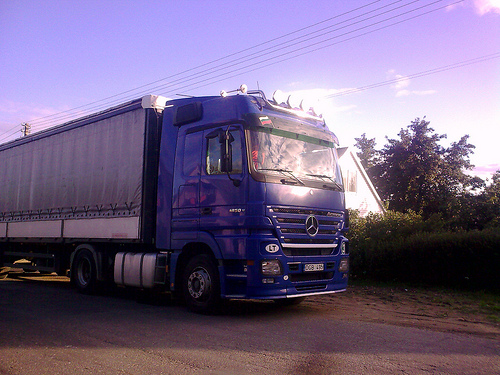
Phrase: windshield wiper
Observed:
(323, 176)
(290, 173)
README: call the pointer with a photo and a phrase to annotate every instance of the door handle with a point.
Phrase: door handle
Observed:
(206, 210)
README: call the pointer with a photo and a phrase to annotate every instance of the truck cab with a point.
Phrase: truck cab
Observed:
(257, 208)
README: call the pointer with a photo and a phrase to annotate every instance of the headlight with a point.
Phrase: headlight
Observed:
(271, 267)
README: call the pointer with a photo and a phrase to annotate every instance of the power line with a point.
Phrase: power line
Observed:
(441, 69)
(9, 133)
(50, 118)
(262, 58)
(182, 80)
(250, 67)
(267, 52)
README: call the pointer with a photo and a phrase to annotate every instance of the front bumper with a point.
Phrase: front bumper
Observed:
(294, 280)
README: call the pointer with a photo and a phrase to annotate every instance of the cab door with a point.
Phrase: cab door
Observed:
(186, 202)
(223, 187)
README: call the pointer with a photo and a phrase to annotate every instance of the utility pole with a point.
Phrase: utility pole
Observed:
(26, 129)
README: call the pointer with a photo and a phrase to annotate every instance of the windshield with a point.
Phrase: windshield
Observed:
(294, 158)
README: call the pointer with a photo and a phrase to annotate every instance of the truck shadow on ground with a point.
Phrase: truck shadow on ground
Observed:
(229, 308)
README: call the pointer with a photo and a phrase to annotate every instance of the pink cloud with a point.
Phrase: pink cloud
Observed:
(485, 6)
(481, 7)
(484, 171)
(489, 168)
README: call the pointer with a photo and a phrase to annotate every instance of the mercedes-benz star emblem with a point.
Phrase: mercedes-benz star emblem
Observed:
(312, 225)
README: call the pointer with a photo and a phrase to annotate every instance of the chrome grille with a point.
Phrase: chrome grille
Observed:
(291, 227)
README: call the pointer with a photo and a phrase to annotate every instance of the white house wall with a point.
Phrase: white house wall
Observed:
(360, 193)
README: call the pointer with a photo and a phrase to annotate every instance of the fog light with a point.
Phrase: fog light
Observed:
(271, 267)
(344, 265)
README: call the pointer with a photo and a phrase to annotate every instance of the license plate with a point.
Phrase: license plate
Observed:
(314, 267)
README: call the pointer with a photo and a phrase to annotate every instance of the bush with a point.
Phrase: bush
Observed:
(406, 248)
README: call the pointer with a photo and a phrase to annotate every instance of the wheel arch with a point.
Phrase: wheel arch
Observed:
(187, 253)
(189, 245)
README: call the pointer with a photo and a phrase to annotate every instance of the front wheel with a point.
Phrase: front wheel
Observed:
(201, 285)
(84, 272)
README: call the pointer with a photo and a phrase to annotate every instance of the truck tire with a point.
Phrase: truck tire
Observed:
(84, 272)
(201, 285)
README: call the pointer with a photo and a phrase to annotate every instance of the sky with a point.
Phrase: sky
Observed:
(374, 66)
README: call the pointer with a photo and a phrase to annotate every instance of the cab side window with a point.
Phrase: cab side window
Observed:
(217, 148)
(192, 154)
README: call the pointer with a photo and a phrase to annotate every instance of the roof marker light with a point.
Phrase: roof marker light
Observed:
(154, 101)
(293, 101)
(307, 105)
(243, 89)
(280, 98)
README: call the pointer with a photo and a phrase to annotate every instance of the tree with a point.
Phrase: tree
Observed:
(492, 191)
(416, 173)
(368, 154)
(491, 197)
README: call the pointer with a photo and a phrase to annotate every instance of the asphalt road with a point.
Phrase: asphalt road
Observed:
(48, 328)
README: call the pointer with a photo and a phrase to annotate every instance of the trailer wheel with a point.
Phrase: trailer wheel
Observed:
(201, 285)
(84, 273)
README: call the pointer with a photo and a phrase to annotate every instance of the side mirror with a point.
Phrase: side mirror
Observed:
(225, 139)
(226, 151)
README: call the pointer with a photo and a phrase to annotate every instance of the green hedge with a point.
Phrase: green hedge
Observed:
(406, 248)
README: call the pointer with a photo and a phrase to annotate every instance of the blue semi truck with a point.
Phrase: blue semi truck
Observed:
(223, 197)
